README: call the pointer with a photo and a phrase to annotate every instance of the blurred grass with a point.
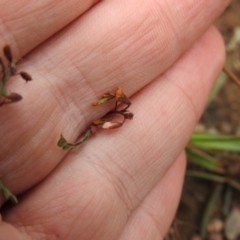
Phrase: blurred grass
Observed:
(208, 154)
(215, 142)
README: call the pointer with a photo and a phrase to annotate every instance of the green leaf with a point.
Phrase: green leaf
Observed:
(105, 98)
(214, 178)
(7, 194)
(234, 184)
(207, 176)
(204, 160)
(214, 141)
(62, 142)
(209, 210)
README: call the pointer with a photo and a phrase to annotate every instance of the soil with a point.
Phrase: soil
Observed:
(221, 116)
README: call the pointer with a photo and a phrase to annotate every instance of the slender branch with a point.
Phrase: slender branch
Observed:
(231, 75)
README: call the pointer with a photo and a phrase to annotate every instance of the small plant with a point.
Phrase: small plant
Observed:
(6, 72)
(108, 122)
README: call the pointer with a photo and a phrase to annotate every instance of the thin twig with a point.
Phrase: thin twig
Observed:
(231, 75)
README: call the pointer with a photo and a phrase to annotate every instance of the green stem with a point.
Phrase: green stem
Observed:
(62, 142)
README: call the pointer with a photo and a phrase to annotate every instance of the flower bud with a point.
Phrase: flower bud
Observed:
(128, 115)
(105, 97)
(121, 97)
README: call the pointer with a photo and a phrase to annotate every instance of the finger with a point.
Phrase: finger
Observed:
(70, 76)
(7, 231)
(152, 219)
(104, 181)
(26, 24)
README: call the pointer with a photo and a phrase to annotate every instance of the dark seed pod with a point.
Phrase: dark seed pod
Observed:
(128, 115)
(25, 76)
(14, 97)
(7, 53)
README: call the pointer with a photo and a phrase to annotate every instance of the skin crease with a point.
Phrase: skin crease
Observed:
(123, 183)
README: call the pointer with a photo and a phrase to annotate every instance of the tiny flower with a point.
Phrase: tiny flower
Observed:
(25, 76)
(121, 97)
(111, 125)
(127, 115)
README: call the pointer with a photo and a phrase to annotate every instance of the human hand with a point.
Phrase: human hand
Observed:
(125, 183)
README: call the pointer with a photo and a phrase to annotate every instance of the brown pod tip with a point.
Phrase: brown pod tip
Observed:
(25, 76)
(7, 53)
(128, 115)
(14, 97)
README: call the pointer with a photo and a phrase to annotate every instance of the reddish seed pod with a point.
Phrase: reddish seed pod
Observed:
(111, 125)
(128, 115)
(14, 97)
(25, 76)
(7, 53)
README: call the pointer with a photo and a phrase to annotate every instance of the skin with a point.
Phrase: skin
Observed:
(123, 183)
